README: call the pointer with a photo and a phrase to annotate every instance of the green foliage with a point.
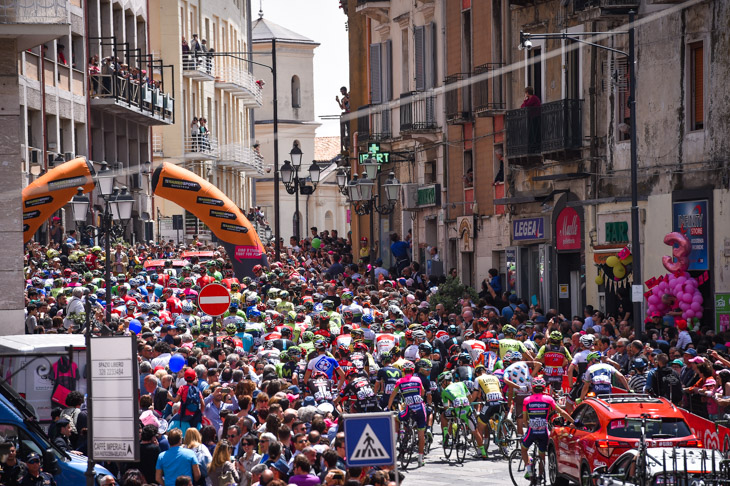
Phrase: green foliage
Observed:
(449, 294)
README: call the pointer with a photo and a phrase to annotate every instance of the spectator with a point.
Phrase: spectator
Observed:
(176, 462)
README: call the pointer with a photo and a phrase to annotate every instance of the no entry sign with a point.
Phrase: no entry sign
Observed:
(214, 299)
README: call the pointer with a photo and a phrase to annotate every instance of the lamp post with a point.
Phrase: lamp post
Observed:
(294, 184)
(118, 205)
(366, 200)
(526, 43)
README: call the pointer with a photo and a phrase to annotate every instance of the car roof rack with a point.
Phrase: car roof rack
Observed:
(618, 398)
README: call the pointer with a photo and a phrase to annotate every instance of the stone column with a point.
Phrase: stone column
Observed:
(11, 185)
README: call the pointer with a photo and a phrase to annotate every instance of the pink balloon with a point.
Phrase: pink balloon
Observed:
(654, 299)
(696, 306)
(688, 314)
(680, 253)
(679, 295)
(684, 306)
(698, 315)
(687, 297)
(681, 280)
(697, 298)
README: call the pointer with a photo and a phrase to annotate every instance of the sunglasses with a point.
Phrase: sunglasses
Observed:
(246, 444)
(33, 461)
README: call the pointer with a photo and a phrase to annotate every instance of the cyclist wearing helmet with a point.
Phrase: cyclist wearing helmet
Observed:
(599, 377)
(537, 408)
(385, 341)
(455, 395)
(287, 369)
(358, 393)
(285, 341)
(323, 363)
(410, 388)
(464, 371)
(344, 339)
(488, 390)
(369, 335)
(320, 386)
(386, 378)
(509, 343)
(555, 359)
(473, 346)
(423, 368)
(490, 359)
(518, 377)
(577, 369)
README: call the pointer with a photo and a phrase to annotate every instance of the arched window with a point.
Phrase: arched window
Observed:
(296, 92)
(328, 221)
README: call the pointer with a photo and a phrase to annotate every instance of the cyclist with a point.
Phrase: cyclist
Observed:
(518, 377)
(538, 407)
(320, 387)
(411, 391)
(509, 343)
(423, 368)
(599, 376)
(579, 365)
(489, 390)
(490, 359)
(358, 393)
(386, 378)
(464, 371)
(456, 395)
(475, 347)
(555, 358)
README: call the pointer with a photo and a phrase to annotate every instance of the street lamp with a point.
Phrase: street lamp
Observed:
(364, 198)
(342, 181)
(526, 43)
(289, 175)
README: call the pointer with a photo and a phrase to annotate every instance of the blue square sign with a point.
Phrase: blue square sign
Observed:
(370, 439)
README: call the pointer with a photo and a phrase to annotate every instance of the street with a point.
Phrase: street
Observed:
(440, 471)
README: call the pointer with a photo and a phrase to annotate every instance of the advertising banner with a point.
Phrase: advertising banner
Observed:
(528, 229)
(51, 191)
(691, 219)
(208, 203)
(567, 230)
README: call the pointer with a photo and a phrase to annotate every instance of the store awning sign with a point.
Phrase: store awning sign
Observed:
(528, 229)
(567, 230)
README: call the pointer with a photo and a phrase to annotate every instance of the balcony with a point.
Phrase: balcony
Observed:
(198, 67)
(418, 112)
(236, 156)
(488, 98)
(373, 123)
(593, 9)
(33, 22)
(200, 148)
(458, 99)
(129, 99)
(241, 84)
(552, 130)
(375, 9)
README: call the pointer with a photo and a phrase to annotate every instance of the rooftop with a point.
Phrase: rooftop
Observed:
(264, 30)
(326, 148)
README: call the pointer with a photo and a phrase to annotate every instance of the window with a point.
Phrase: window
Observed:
(590, 420)
(376, 95)
(534, 70)
(468, 169)
(425, 56)
(697, 85)
(623, 86)
(405, 75)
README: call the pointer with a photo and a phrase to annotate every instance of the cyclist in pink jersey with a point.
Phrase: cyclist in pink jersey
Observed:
(412, 392)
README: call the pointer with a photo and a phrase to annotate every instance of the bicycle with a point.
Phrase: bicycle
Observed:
(407, 442)
(460, 439)
(518, 469)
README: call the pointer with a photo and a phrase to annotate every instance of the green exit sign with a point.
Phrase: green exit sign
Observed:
(617, 232)
(429, 195)
(374, 155)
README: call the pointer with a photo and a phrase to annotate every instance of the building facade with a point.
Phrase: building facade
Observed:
(208, 47)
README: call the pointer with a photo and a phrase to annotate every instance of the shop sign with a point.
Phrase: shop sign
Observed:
(568, 230)
(528, 229)
(429, 196)
(374, 155)
(690, 219)
(722, 312)
(465, 229)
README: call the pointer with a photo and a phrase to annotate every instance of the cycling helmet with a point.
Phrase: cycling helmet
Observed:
(319, 374)
(307, 336)
(556, 336)
(358, 333)
(454, 348)
(367, 319)
(388, 326)
(360, 347)
(419, 335)
(512, 356)
(465, 357)
(286, 331)
(240, 325)
(479, 368)
(469, 334)
(352, 372)
(409, 334)
(231, 329)
(309, 305)
(284, 294)
(425, 347)
(424, 364)
(253, 313)
(445, 376)
(587, 340)
(538, 384)
(408, 367)
(328, 304)
(320, 344)
(294, 353)
(195, 330)
(593, 356)
(453, 330)
(493, 343)
(509, 330)
(188, 307)
(386, 357)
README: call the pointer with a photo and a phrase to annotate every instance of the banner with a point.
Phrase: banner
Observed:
(691, 219)
(51, 191)
(212, 207)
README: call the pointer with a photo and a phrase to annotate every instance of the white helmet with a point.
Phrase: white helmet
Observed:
(587, 340)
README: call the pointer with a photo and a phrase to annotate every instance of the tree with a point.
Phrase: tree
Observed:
(449, 294)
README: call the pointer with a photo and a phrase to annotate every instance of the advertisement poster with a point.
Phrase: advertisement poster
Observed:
(722, 312)
(691, 219)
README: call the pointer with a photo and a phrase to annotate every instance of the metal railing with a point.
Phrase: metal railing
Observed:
(201, 147)
(157, 149)
(33, 12)
(198, 62)
(552, 127)
(417, 111)
(149, 101)
(235, 154)
(242, 79)
(373, 123)
(458, 101)
(579, 5)
(488, 91)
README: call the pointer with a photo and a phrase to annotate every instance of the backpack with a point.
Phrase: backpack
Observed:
(668, 385)
(190, 410)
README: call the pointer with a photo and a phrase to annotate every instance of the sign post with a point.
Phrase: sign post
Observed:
(214, 300)
(370, 439)
(115, 417)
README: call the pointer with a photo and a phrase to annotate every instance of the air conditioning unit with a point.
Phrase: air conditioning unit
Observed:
(35, 156)
(68, 156)
(119, 167)
(135, 182)
(409, 197)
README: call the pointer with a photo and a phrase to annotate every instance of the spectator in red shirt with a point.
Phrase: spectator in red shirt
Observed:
(530, 98)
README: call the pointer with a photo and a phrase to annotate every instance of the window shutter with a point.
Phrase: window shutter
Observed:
(376, 94)
(420, 51)
(698, 88)
(431, 55)
(387, 54)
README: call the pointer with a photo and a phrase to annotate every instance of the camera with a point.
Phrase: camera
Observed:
(526, 44)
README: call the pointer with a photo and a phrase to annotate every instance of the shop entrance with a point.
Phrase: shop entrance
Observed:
(569, 284)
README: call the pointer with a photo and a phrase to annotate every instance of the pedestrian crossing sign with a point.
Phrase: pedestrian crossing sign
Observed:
(370, 439)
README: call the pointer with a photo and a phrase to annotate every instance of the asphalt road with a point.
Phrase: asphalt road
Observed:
(438, 471)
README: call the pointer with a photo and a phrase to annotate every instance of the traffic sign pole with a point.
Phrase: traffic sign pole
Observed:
(215, 332)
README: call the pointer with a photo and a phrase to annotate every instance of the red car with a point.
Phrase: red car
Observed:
(601, 434)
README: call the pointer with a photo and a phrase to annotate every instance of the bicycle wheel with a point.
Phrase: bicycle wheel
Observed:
(462, 442)
(506, 436)
(405, 453)
(427, 442)
(448, 440)
(517, 469)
